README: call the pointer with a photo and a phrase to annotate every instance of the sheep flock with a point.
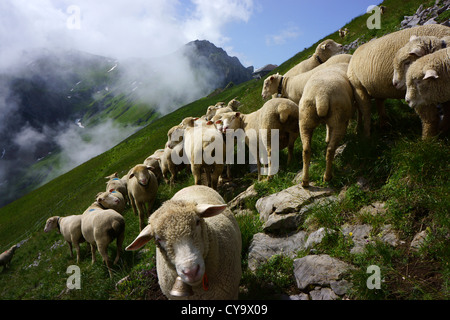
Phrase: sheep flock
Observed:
(197, 237)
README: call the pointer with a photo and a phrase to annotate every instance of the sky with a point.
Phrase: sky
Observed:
(258, 32)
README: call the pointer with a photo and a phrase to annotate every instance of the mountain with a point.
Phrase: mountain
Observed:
(55, 101)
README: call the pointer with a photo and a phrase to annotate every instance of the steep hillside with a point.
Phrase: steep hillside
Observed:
(395, 168)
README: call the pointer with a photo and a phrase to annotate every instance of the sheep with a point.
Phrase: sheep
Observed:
(324, 51)
(327, 98)
(117, 184)
(99, 227)
(343, 32)
(234, 104)
(370, 70)
(142, 188)
(70, 228)
(291, 87)
(111, 199)
(215, 111)
(277, 113)
(6, 257)
(154, 161)
(197, 142)
(168, 164)
(413, 50)
(428, 84)
(197, 239)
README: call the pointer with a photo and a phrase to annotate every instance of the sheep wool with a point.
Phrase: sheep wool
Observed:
(324, 51)
(328, 98)
(197, 238)
(371, 70)
(428, 84)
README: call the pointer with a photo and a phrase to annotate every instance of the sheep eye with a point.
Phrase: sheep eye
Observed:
(197, 222)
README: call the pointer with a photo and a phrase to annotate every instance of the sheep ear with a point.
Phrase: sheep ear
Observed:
(417, 52)
(430, 73)
(237, 114)
(210, 210)
(150, 168)
(98, 194)
(145, 236)
(131, 176)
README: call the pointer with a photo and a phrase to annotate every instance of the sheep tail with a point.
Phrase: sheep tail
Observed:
(322, 105)
(117, 228)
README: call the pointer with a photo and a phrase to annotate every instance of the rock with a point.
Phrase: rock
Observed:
(318, 270)
(264, 246)
(239, 200)
(418, 240)
(388, 235)
(374, 209)
(289, 200)
(322, 294)
(316, 237)
(301, 296)
(340, 287)
(359, 234)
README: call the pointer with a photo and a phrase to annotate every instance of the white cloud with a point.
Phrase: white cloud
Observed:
(289, 33)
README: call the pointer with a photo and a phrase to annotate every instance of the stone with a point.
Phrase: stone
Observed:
(418, 240)
(318, 270)
(289, 200)
(238, 201)
(374, 209)
(316, 237)
(388, 235)
(359, 234)
(264, 246)
(322, 294)
(340, 287)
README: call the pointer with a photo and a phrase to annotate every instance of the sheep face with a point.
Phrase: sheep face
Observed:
(328, 48)
(109, 199)
(52, 223)
(141, 173)
(270, 86)
(406, 55)
(230, 120)
(418, 85)
(181, 235)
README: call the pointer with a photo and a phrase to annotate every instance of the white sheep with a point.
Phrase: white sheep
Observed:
(371, 70)
(323, 52)
(6, 257)
(198, 240)
(142, 188)
(70, 228)
(112, 200)
(291, 87)
(205, 149)
(343, 32)
(327, 98)
(154, 161)
(417, 47)
(278, 113)
(117, 184)
(99, 227)
(428, 84)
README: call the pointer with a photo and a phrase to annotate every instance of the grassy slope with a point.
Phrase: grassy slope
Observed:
(415, 190)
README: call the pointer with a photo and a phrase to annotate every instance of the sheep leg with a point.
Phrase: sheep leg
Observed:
(430, 120)
(141, 210)
(133, 204)
(218, 169)
(363, 101)
(197, 173)
(93, 252)
(77, 248)
(381, 112)
(292, 138)
(104, 253)
(336, 135)
(119, 242)
(70, 249)
(306, 137)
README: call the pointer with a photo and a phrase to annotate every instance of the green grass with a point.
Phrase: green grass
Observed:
(410, 175)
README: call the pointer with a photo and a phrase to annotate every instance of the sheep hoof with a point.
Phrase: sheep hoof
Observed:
(305, 183)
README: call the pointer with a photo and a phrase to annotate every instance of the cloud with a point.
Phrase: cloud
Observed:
(286, 34)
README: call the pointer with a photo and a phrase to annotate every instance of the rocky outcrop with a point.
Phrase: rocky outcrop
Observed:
(428, 15)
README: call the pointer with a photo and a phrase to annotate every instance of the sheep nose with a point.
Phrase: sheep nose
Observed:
(191, 273)
(395, 83)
